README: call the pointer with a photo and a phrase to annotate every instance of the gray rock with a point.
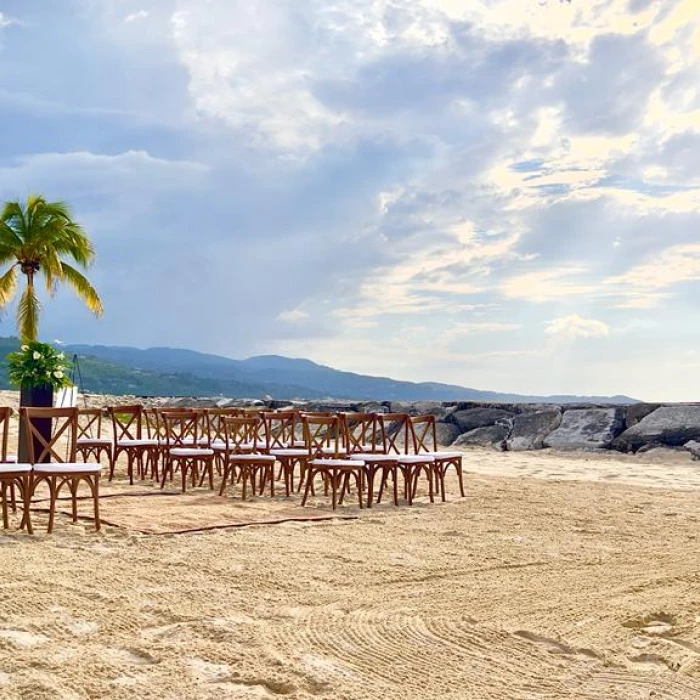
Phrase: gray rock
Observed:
(494, 435)
(472, 418)
(672, 426)
(586, 429)
(446, 433)
(637, 411)
(530, 429)
(693, 446)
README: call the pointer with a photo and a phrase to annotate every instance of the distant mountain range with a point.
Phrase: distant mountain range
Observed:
(176, 372)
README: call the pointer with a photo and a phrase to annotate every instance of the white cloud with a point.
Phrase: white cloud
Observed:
(292, 315)
(6, 21)
(574, 326)
(141, 14)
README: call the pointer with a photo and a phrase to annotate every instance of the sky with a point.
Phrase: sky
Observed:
(500, 194)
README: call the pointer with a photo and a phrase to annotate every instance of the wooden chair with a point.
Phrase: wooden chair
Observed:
(241, 460)
(130, 437)
(398, 437)
(281, 428)
(182, 449)
(62, 468)
(90, 443)
(425, 442)
(13, 476)
(328, 449)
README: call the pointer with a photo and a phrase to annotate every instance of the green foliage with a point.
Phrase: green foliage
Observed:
(37, 237)
(38, 364)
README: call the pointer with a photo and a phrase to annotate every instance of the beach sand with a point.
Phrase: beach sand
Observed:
(558, 576)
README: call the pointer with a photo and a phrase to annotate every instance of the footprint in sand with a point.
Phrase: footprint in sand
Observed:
(654, 625)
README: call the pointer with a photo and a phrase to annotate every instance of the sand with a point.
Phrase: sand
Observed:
(559, 576)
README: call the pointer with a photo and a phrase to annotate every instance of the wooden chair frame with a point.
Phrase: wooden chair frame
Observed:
(127, 425)
(89, 442)
(13, 476)
(63, 471)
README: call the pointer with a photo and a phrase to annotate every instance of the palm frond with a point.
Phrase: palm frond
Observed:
(28, 311)
(82, 287)
(8, 285)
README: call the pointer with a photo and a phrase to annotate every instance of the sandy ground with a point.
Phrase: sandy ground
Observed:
(559, 576)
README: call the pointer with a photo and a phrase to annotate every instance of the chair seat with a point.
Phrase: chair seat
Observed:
(247, 457)
(10, 459)
(94, 441)
(415, 459)
(348, 463)
(289, 452)
(445, 455)
(137, 443)
(191, 452)
(67, 468)
(15, 468)
(374, 457)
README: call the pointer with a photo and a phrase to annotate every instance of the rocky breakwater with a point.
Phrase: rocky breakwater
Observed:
(513, 427)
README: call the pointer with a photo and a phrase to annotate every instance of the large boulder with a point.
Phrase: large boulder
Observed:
(693, 446)
(494, 435)
(472, 418)
(672, 426)
(530, 429)
(586, 429)
(446, 433)
(637, 411)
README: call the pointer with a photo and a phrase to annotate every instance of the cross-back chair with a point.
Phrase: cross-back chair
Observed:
(90, 444)
(425, 442)
(326, 441)
(242, 462)
(281, 431)
(13, 476)
(132, 432)
(182, 429)
(54, 458)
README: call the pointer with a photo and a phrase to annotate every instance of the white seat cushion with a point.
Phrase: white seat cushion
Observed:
(94, 441)
(290, 452)
(252, 458)
(137, 443)
(10, 459)
(415, 459)
(354, 463)
(15, 468)
(67, 468)
(191, 452)
(371, 457)
(445, 455)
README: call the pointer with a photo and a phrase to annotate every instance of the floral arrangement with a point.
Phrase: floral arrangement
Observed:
(38, 364)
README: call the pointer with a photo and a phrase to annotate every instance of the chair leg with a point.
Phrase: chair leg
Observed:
(3, 497)
(27, 501)
(73, 487)
(94, 483)
(53, 493)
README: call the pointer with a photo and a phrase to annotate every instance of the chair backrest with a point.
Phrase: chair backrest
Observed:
(49, 432)
(89, 423)
(5, 414)
(126, 421)
(216, 422)
(240, 433)
(396, 432)
(180, 427)
(424, 433)
(324, 435)
(280, 428)
(364, 433)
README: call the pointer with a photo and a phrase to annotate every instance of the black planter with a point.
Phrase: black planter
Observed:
(41, 397)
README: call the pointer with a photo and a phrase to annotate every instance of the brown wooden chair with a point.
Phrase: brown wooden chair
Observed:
(425, 442)
(242, 462)
(281, 431)
(132, 437)
(398, 438)
(13, 476)
(327, 443)
(62, 467)
(90, 444)
(182, 449)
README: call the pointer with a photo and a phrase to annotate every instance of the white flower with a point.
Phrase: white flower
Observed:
(58, 374)
(37, 355)
(61, 355)
(25, 348)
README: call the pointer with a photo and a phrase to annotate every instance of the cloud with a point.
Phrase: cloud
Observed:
(6, 21)
(141, 14)
(574, 326)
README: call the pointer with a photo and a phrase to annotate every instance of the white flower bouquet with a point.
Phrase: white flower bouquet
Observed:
(38, 364)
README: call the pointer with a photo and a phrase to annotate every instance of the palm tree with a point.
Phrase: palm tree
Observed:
(38, 237)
